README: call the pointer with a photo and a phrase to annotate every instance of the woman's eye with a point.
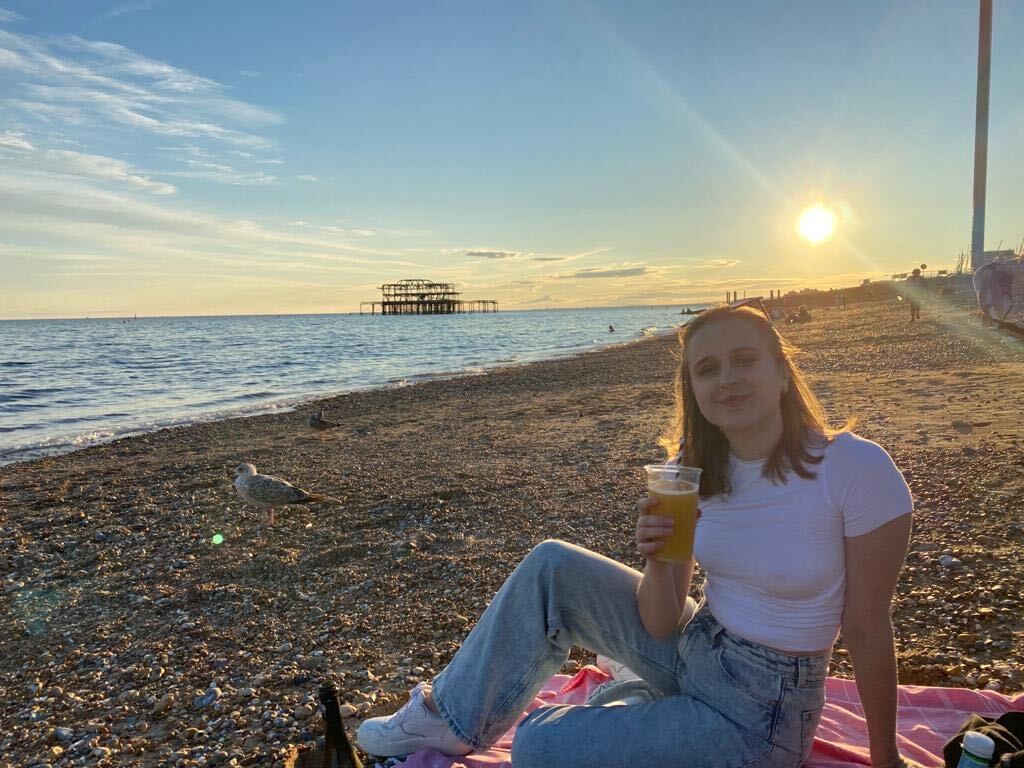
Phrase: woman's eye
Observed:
(747, 360)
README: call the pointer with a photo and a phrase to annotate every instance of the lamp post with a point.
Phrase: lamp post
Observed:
(981, 133)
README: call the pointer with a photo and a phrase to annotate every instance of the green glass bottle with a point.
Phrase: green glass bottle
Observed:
(338, 752)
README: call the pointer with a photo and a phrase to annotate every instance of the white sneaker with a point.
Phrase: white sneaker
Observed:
(410, 729)
(616, 670)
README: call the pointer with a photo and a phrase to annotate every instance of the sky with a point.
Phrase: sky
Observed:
(174, 157)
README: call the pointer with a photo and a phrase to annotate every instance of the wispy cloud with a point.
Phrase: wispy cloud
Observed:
(77, 81)
(100, 168)
(222, 174)
(15, 140)
(307, 177)
(9, 17)
(124, 8)
(716, 264)
(492, 254)
(582, 274)
(333, 229)
(87, 217)
(507, 254)
(23, 157)
(74, 257)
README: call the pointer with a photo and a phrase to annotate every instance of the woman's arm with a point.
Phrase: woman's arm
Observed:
(661, 596)
(873, 564)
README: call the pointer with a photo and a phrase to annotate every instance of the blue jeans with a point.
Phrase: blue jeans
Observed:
(725, 702)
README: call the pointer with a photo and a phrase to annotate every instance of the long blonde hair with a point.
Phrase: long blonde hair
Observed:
(704, 445)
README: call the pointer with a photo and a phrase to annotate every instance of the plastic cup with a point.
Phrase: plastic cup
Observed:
(676, 489)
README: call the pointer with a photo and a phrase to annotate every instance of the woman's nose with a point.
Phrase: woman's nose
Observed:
(728, 375)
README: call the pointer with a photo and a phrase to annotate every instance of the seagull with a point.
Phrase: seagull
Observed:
(317, 421)
(267, 492)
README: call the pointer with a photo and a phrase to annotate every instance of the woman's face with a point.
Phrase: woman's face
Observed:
(735, 379)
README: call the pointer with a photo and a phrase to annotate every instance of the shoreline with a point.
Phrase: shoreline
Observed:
(122, 612)
(288, 404)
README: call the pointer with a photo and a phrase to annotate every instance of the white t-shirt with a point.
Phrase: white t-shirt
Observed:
(774, 555)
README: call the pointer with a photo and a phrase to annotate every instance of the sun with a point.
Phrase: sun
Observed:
(816, 224)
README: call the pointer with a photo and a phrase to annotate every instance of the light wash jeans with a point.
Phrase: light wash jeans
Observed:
(727, 702)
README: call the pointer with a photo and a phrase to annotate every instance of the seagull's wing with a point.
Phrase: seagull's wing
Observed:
(274, 491)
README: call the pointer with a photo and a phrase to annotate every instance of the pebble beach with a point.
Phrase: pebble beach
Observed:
(150, 619)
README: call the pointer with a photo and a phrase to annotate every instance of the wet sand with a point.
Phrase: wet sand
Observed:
(131, 639)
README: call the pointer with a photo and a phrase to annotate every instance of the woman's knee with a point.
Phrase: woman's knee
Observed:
(551, 553)
(531, 745)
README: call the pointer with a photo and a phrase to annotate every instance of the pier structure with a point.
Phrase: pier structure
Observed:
(424, 297)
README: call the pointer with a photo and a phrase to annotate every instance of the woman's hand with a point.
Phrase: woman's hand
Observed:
(652, 528)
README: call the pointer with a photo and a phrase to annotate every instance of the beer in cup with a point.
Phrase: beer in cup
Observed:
(675, 488)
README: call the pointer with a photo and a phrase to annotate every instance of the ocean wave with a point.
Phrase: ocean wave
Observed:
(29, 393)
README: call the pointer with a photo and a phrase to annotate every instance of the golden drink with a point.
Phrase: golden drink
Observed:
(677, 500)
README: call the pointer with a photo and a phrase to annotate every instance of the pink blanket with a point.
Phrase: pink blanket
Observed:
(927, 719)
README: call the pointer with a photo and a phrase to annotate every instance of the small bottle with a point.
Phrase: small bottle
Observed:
(977, 750)
(338, 752)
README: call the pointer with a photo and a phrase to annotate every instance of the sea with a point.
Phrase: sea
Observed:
(68, 384)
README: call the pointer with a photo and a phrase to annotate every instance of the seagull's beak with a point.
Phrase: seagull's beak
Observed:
(229, 470)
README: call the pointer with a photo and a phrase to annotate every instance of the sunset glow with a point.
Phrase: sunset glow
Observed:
(816, 224)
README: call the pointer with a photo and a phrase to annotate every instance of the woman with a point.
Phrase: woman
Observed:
(802, 532)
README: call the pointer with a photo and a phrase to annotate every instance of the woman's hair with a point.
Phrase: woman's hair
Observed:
(704, 445)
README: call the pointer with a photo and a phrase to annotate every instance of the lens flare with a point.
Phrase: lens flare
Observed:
(218, 538)
(816, 224)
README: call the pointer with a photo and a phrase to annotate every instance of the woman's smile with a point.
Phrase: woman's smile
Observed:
(734, 401)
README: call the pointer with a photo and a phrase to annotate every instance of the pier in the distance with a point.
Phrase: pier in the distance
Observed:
(424, 297)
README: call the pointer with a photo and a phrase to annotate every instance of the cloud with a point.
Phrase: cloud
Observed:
(716, 264)
(15, 140)
(308, 177)
(492, 254)
(100, 168)
(74, 257)
(603, 273)
(11, 60)
(222, 174)
(332, 229)
(546, 299)
(496, 253)
(78, 215)
(7, 17)
(249, 73)
(78, 81)
(121, 10)
(62, 163)
(49, 113)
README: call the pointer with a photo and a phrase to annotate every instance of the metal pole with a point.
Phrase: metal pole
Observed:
(981, 133)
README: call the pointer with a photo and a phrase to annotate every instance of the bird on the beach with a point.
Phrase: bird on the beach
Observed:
(267, 492)
(316, 420)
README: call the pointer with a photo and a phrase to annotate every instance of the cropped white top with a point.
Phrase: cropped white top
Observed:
(774, 555)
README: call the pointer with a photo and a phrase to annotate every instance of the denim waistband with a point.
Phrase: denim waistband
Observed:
(801, 671)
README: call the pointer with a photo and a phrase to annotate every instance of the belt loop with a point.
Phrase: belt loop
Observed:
(716, 633)
(802, 667)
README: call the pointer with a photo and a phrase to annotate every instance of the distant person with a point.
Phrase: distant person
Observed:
(802, 532)
(611, 329)
(916, 289)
